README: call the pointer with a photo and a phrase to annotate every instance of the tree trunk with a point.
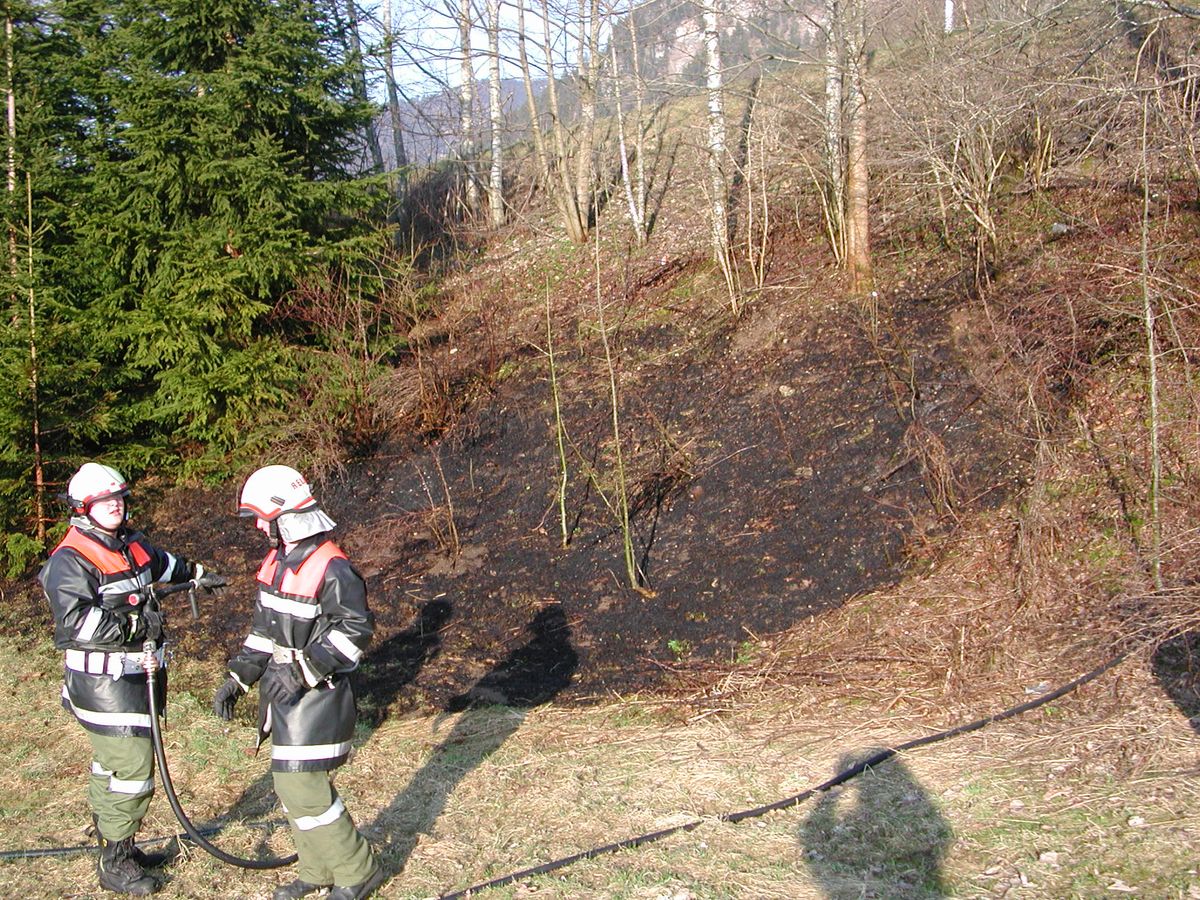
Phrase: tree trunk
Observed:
(587, 72)
(835, 162)
(858, 239)
(718, 199)
(354, 54)
(639, 131)
(393, 102)
(535, 122)
(636, 211)
(466, 144)
(574, 218)
(496, 175)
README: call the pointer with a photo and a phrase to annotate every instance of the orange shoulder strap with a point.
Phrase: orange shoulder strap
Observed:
(109, 562)
(306, 581)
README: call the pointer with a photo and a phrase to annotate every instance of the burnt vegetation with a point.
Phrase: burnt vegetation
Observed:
(986, 455)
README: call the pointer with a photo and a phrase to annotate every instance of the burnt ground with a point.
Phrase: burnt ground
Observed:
(777, 464)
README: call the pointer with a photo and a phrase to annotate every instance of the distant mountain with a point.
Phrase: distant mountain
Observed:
(670, 38)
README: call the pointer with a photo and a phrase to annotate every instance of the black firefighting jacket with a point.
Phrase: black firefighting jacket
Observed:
(88, 579)
(311, 611)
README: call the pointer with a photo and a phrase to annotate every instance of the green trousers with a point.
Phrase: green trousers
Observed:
(330, 848)
(121, 783)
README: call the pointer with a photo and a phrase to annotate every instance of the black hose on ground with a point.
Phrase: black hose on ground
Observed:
(840, 778)
(164, 775)
(627, 844)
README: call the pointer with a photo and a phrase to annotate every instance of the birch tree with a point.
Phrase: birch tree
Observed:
(466, 140)
(714, 87)
(634, 184)
(834, 195)
(495, 114)
(858, 221)
(587, 73)
(846, 178)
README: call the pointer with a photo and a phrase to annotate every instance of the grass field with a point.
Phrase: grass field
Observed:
(1095, 795)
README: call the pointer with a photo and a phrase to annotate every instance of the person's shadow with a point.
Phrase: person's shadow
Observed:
(493, 709)
(1176, 666)
(384, 672)
(879, 835)
(396, 662)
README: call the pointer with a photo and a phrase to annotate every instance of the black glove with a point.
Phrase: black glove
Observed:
(283, 684)
(139, 623)
(226, 698)
(150, 625)
(205, 580)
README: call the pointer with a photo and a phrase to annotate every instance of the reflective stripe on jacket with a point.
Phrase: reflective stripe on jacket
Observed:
(88, 575)
(311, 609)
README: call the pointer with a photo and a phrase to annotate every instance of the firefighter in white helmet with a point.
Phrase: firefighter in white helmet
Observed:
(88, 581)
(311, 625)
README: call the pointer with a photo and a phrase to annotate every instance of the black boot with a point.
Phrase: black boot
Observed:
(146, 860)
(294, 890)
(120, 872)
(358, 891)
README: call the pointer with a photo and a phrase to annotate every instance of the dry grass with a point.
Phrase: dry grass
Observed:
(1093, 791)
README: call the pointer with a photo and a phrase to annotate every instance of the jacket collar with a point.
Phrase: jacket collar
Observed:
(117, 541)
(295, 557)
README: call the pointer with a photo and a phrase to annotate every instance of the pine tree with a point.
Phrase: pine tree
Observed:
(188, 162)
(215, 186)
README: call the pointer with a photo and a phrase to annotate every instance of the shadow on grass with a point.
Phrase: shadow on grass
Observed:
(879, 836)
(387, 668)
(1176, 666)
(492, 711)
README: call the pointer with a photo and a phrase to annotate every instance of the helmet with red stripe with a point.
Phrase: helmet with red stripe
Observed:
(274, 490)
(94, 482)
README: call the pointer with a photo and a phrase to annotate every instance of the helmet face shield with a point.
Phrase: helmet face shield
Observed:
(92, 483)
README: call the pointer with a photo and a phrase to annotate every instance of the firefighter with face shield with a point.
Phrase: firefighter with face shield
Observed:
(310, 627)
(89, 579)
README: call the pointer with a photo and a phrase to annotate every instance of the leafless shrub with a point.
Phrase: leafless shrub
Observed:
(936, 471)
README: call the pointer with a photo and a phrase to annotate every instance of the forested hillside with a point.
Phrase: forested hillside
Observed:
(871, 290)
(795, 375)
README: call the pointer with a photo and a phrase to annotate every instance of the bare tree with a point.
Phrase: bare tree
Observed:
(858, 220)
(495, 115)
(715, 95)
(352, 40)
(568, 148)
(634, 183)
(393, 98)
(587, 76)
(535, 121)
(466, 139)
(835, 163)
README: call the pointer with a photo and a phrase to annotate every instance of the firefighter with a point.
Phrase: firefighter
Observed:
(310, 627)
(89, 579)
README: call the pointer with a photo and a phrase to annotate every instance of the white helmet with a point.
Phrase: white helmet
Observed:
(280, 495)
(94, 482)
(274, 490)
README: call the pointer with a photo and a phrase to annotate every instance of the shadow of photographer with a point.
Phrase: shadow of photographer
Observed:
(878, 836)
(1175, 665)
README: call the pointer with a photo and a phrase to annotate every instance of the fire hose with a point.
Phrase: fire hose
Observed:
(160, 755)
